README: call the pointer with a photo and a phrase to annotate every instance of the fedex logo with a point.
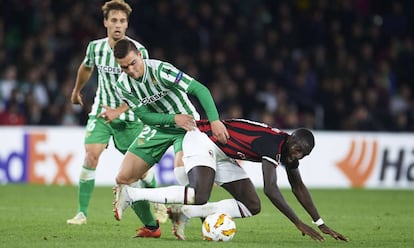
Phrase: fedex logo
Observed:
(28, 163)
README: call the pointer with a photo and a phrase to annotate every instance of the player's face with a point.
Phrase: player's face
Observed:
(295, 153)
(132, 64)
(116, 24)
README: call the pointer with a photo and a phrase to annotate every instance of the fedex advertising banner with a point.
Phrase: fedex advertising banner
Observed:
(339, 159)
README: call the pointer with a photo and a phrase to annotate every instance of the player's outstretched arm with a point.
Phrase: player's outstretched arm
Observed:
(275, 196)
(302, 194)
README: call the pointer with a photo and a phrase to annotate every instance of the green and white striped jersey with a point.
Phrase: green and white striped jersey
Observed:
(162, 89)
(99, 54)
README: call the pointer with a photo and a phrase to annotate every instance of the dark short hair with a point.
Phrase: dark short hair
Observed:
(304, 138)
(123, 47)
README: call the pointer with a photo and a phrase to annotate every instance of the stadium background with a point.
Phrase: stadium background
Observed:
(326, 65)
(341, 68)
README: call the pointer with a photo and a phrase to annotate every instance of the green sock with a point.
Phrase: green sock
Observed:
(143, 210)
(85, 194)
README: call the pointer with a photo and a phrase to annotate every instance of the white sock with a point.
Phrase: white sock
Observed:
(171, 194)
(149, 176)
(181, 176)
(233, 208)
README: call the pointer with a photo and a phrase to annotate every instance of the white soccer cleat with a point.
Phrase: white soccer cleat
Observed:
(179, 221)
(121, 201)
(79, 219)
(160, 212)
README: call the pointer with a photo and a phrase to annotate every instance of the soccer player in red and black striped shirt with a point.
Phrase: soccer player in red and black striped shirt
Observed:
(207, 161)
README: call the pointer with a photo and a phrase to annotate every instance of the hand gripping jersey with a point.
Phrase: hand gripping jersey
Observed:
(251, 141)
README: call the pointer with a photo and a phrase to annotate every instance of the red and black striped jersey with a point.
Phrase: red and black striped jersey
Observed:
(250, 140)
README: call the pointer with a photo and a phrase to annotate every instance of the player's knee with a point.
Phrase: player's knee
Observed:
(91, 160)
(255, 207)
(122, 179)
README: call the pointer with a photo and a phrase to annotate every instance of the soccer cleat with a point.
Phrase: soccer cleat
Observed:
(179, 221)
(121, 201)
(160, 212)
(79, 219)
(145, 232)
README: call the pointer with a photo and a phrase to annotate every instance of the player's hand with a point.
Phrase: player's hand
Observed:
(76, 98)
(307, 230)
(184, 121)
(325, 229)
(109, 114)
(219, 131)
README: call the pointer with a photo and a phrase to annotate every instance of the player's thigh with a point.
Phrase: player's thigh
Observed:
(97, 135)
(228, 170)
(151, 144)
(198, 150)
(97, 131)
(201, 178)
(124, 135)
(243, 190)
(132, 168)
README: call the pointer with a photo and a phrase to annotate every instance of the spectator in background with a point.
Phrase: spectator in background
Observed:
(302, 47)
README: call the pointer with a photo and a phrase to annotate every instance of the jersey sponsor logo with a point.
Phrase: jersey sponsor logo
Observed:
(109, 69)
(154, 98)
(178, 78)
(359, 163)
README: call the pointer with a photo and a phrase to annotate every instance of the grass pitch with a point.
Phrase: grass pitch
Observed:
(35, 216)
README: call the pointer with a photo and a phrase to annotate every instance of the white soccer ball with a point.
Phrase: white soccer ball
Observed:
(218, 227)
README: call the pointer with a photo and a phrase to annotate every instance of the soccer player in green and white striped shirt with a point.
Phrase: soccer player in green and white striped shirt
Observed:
(124, 126)
(151, 87)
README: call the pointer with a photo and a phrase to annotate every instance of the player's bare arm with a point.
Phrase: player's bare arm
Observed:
(84, 73)
(274, 194)
(302, 194)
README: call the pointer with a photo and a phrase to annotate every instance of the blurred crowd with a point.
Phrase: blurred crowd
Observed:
(321, 64)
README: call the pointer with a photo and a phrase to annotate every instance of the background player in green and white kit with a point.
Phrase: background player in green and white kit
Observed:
(124, 126)
(151, 87)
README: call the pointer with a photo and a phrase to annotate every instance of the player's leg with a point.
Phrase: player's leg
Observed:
(96, 140)
(200, 165)
(179, 170)
(132, 168)
(245, 194)
(124, 134)
(151, 151)
(234, 179)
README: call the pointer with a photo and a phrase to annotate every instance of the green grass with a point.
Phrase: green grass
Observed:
(35, 216)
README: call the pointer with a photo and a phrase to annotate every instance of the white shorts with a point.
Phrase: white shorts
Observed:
(199, 150)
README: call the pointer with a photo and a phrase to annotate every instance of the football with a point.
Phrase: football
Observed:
(218, 227)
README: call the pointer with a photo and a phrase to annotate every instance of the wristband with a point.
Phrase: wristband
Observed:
(318, 222)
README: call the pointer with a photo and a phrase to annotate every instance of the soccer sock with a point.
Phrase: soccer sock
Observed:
(86, 186)
(231, 207)
(149, 180)
(171, 194)
(181, 176)
(143, 208)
